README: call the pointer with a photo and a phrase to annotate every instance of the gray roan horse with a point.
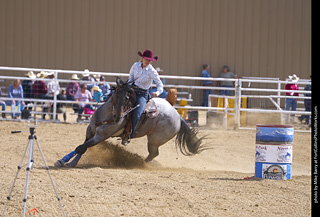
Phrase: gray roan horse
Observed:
(110, 119)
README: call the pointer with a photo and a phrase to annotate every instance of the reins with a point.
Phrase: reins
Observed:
(128, 111)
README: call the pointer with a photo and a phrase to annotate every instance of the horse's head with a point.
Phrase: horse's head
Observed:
(123, 98)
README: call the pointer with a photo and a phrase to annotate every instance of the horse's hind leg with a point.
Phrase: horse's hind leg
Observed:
(153, 150)
(155, 140)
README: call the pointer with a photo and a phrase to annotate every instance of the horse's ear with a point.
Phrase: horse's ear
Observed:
(119, 81)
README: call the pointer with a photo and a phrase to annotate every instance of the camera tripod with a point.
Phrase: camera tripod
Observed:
(29, 164)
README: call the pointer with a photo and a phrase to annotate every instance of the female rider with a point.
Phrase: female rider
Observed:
(142, 74)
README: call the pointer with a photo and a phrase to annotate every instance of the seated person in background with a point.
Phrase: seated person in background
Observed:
(40, 88)
(40, 91)
(15, 92)
(97, 94)
(82, 96)
(105, 88)
(60, 106)
(72, 87)
(53, 87)
(3, 105)
(86, 77)
(27, 87)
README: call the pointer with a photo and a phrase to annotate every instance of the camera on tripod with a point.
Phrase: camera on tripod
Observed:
(30, 145)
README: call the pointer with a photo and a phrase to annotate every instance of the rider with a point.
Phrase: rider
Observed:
(142, 74)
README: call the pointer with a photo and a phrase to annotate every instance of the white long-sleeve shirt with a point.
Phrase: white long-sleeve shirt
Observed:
(143, 77)
(52, 87)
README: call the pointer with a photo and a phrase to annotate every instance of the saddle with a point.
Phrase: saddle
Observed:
(151, 110)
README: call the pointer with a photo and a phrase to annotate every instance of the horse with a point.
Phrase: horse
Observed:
(111, 118)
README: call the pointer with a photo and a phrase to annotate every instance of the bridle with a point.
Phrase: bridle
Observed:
(127, 105)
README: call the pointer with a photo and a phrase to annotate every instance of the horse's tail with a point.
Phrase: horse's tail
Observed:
(187, 140)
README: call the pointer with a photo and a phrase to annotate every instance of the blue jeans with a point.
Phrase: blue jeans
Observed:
(291, 102)
(206, 97)
(225, 92)
(141, 99)
(307, 105)
(3, 105)
(13, 108)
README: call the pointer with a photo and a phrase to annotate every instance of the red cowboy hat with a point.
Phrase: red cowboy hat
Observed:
(148, 54)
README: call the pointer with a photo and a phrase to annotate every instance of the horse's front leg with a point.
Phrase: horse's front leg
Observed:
(80, 150)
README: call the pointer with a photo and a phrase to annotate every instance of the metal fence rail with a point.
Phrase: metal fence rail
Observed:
(239, 89)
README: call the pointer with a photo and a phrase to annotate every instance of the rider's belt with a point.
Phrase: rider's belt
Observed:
(140, 90)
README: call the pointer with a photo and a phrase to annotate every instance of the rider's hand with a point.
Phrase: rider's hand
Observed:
(154, 94)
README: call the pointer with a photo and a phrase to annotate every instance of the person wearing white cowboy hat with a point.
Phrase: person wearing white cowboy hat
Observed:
(53, 87)
(293, 78)
(291, 102)
(74, 77)
(42, 74)
(31, 75)
(40, 88)
(86, 77)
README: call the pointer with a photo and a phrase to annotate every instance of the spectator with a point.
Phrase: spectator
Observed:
(291, 102)
(226, 74)
(72, 87)
(97, 94)
(15, 92)
(82, 96)
(60, 106)
(307, 105)
(3, 105)
(40, 88)
(86, 77)
(205, 73)
(53, 87)
(105, 88)
(40, 91)
(27, 87)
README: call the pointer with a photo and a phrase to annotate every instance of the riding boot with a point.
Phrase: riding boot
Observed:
(3, 115)
(127, 132)
(125, 140)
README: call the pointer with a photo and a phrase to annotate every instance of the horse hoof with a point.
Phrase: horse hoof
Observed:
(70, 165)
(74, 162)
(58, 163)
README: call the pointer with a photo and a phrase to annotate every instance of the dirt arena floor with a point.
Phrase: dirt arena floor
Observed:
(114, 181)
